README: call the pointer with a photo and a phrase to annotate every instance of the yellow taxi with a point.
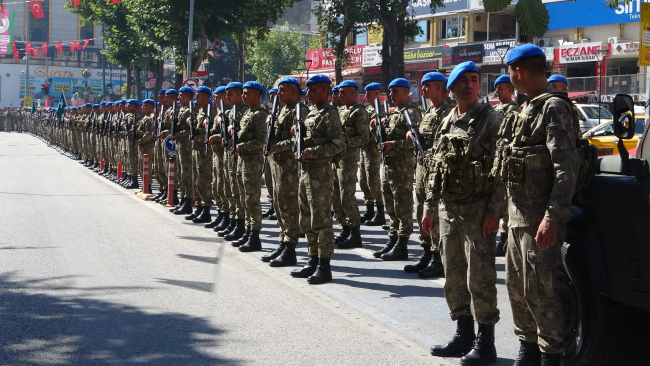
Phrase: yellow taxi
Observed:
(602, 136)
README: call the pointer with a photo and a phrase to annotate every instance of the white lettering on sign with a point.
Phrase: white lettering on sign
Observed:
(582, 52)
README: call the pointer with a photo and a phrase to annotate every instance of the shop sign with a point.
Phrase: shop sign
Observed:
(472, 53)
(324, 58)
(580, 52)
(424, 53)
(490, 53)
(626, 48)
(644, 48)
(422, 8)
(375, 34)
(372, 56)
(421, 66)
(590, 13)
(446, 57)
(372, 75)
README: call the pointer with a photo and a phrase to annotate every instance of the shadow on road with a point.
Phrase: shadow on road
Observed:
(39, 328)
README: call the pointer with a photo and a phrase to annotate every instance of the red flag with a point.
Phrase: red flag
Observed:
(14, 51)
(2, 8)
(76, 2)
(44, 46)
(59, 47)
(86, 43)
(73, 46)
(36, 52)
(115, 1)
(37, 9)
(28, 48)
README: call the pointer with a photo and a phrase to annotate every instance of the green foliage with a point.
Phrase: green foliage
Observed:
(533, 16)
(314, 43)
(493, 6)
(278, 53)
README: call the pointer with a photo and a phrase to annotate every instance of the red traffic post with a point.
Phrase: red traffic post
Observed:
(145, 174)
(119, 167)
(170, 185)
(101, 164)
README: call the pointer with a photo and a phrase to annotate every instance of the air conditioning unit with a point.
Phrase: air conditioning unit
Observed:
(544, 42)
(612, 40)
(585, 40)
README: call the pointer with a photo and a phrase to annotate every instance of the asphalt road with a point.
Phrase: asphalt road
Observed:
(91, 275)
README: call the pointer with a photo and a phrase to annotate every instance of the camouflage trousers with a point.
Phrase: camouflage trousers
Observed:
(285, 195)
(219, 181)
(397, 186)
(532, 288)
(470, 273)
(132, 158)
(234, 196)
(184, 167)
(370, 175)
(315, 195)
(161, 164)
(142, 150)
(345, 187)
(249, 178)
(202, 175)
(268, 181)
(426, 240)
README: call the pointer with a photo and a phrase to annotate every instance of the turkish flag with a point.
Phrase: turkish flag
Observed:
(73, 46)
(37, 9)
(36, 52)
(86, 43)
(76, 2)
(59, 47)
(28, 48)
(115, 1)
(14, 51)
(44, 46)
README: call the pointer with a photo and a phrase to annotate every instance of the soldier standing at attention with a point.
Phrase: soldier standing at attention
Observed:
(508, 108)
(171, 113)
(160, 156)
(268, 177)
(469, 207)
(220, 186)
(144, 135)
(397, 178)
(336, 98)
(184, 151)
(354, 122)
(251, 136)
(370, 174)
(323, 140)
(434, 86)
(546, 134)
(284, 168)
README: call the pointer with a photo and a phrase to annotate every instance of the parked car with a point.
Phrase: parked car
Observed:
(589, 116)
(603, 136)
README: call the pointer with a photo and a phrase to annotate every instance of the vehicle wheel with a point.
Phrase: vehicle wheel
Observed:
(585, 313)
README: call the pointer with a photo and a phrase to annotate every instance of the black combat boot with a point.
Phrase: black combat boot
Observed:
(274, 254)
(378, 219)
(178, 206)
(268, 212)
(186, 208)
(253, 244)
(461, 343)
(502, 243)
(483, 352)
(549, 359)
(175, 197)
(387, 248)
(385, 227)
(286, 258)
(232, 223)
(161, 196)
(435, 268)
(214, 223)
(273, 216)
(369, 214)
(240, 230)
(399, 252)
(308, 270)
(422, 263)
(529, 355)
(204, 217)
(244, 239)
(134, 183)
(323, 272)
(354, 241)
(345, 233)
(225, 222)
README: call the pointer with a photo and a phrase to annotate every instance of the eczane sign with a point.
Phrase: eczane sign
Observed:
(580, 52)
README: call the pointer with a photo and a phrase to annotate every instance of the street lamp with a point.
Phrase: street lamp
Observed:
(600, 53)
(502, 51)
(307, 67)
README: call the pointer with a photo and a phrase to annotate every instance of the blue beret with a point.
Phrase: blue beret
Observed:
(400, 82)
(318, 78)
(121, 101)
(148, 101)
(95, 105)
(221, 89)
(460, 69)
(234, 85)
(433, 76)
(254, 85)
(65, 109)
(88, 105)
(171, 91)
(204, 89)
(162, 91)
(186, 89)
(134, 101)
(502, 79)
(274, 90)
(335, 89)
(290, 81)
(350, 83)
(73, 108)
(102, 103)
(303, 92)
(524, 51)
(373, 86)
(558, 77)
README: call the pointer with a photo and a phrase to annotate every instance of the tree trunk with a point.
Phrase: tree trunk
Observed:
(203, 47)
(178, 82)
(385, 61)
(241, 39)
(340, 58)
(397, 41)
(138, 82)
(159, 77)
(129, 81)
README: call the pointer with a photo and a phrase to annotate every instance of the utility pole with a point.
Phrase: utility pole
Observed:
(26, 55)
(190, 42)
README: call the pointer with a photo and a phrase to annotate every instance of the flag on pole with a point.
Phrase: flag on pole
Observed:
(60, 109)
(44, 46)
(59, 47)
(14, 51)
(73, 46)
(86, 43)
(36, 52)
(37, 9)
(76, 2)
(28, 48)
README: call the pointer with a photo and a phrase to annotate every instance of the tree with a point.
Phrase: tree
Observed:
(314, 43)
(278, 53)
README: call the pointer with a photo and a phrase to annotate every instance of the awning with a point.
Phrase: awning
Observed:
(575, 95)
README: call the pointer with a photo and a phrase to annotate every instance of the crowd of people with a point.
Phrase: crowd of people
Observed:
(475, 170)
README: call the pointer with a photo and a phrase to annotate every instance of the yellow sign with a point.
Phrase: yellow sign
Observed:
(644, 49)
(375, 34)
(27, 102)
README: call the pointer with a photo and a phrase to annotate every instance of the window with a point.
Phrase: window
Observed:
(39, 29)
(359, 38)
(424, 25)
(87, 32)
(452, 28)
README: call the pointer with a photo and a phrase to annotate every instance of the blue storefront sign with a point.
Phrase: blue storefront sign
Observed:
(423, 7)
(590, 13)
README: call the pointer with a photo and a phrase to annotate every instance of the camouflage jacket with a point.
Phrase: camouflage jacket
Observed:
(282, 140)
(355, 124)
(144, 132)
(203, 117)
(251, 134)
(507, 109)
(396, 129)
(372, 114)
(215, 130)
(182, 129)
(323, 134)
(432, 120)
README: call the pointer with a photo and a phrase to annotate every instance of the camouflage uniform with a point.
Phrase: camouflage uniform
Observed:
(508, 110)
(284, 168)
(202, 159)
(235, 198)
(132, 120)
(370, 172)
(323, 140)
(397, 178)
(459, 179)
(545, 132)
(220, 185)
(144, 138)
(354, 123)
(184, 151)
(251, 136)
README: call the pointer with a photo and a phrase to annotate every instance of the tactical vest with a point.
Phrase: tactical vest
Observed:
(246, 131)
(313, 136)
(350, 131)
(452, 172)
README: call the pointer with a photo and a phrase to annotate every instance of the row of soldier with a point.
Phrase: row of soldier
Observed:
(474, 166)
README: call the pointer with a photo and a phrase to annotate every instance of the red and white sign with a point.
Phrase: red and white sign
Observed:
(581, 52)
(199, 74)
(191, 83)
(324, 58)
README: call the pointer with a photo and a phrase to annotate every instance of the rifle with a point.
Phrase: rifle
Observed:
(224, 124)
(270, 131)
(153, 122)
(135, 156)
(174, 120)
(160, 120)
(233, 137)
(298, 145)
(416, 135)
(380, 129)
(423, 101)
(207, 128)
(192, 124)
